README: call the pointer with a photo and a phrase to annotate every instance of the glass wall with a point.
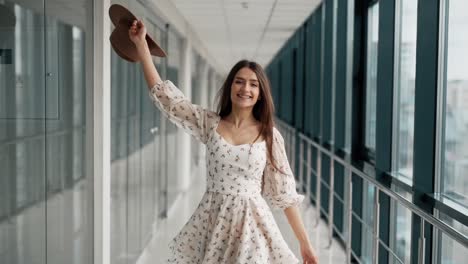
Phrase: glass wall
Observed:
(454, 163)
(174, 62)
(400, 231)
(413, 134)
(368, 223)
(196, 67)
(144, 144)
(405, 77)
(455, 84)
(45, 76)
(371, 74)
(141, 148)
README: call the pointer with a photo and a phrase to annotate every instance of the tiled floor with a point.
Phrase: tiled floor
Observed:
(157, 249)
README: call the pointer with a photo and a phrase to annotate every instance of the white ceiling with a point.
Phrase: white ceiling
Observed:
(250, 29)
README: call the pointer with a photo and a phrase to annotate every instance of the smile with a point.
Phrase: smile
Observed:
(244, 96)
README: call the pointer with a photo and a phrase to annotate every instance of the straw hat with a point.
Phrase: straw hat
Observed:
(120, 40)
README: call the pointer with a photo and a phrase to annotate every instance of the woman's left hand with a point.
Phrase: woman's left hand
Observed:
(308, 254)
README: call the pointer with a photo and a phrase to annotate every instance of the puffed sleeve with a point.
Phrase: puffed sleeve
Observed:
(192, 118)
(279, 188)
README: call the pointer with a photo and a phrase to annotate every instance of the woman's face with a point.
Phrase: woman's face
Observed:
(245, 88)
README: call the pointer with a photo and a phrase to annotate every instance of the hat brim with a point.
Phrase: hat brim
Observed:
(120, 39)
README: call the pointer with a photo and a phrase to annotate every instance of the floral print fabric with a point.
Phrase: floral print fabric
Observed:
(233, 222)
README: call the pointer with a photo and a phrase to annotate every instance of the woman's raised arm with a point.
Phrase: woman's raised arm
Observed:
(137, 34)
(194, 119)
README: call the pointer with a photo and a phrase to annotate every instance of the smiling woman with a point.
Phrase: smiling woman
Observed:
(232, 223)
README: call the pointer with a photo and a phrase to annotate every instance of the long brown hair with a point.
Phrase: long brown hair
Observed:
(263, 110)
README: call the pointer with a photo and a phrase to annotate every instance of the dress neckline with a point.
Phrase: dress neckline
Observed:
(233, 145)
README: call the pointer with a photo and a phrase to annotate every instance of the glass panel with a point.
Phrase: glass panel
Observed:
(173, 66)
(119, 163)
(196, 66)
(149, 155)
(455, 154)
(368, 222)
(22, 133)
(454, 183)
(135, 86)
(69, 71)
(450, 251)
(405, 86)
(139, 169)
(161, 139)
(371, 74)
(400, 231)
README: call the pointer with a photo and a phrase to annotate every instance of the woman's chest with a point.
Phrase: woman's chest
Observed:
(225, 156)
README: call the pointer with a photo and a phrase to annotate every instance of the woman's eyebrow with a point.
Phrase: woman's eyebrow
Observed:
(252, 80)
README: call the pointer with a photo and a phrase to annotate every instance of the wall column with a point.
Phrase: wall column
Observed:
(204, 102)
(183, 139)
(101, 135)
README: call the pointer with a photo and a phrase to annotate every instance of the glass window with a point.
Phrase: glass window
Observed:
(367, 223)
(400, 231)
(371, 74)
(140, 137)
(173, 66)
(450, 251)
(455, 143)
(46, 211)
(405, 72)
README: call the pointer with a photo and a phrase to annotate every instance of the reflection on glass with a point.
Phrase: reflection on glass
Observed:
(371, 74)
(140, 153)
(196, 66)
(173, 66)
(454, 182)
(400, 232)
(405, 86)
(45, 212)
(451, 251)
(368, 222)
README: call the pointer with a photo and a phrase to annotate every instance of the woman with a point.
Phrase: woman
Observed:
(233, 223)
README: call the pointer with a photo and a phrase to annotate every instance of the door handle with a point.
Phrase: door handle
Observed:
(154, 130)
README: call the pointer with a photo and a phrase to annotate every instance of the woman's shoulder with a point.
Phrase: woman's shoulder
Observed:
(277, 137)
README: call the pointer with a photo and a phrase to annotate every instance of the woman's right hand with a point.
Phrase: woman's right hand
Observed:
(137, 34)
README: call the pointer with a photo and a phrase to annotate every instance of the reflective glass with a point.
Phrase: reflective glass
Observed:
(69, 205)
(400, 231)
(139, 150)
(405, 72)
(367, 223)
(174, 50)
(371, 74)
(455, 154)
(196, 67)
(454, 181)
(45, 72)
(450, 251)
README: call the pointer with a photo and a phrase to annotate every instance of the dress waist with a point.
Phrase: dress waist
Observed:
(252, 194)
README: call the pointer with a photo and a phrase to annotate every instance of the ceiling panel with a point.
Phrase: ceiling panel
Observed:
(236, 29)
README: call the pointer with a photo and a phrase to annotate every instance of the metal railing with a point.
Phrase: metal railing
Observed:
(307, 145)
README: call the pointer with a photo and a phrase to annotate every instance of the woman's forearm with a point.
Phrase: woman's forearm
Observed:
(151, 74)
(295, 220)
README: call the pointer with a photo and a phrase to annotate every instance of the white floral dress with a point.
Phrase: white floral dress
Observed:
(233, 222)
